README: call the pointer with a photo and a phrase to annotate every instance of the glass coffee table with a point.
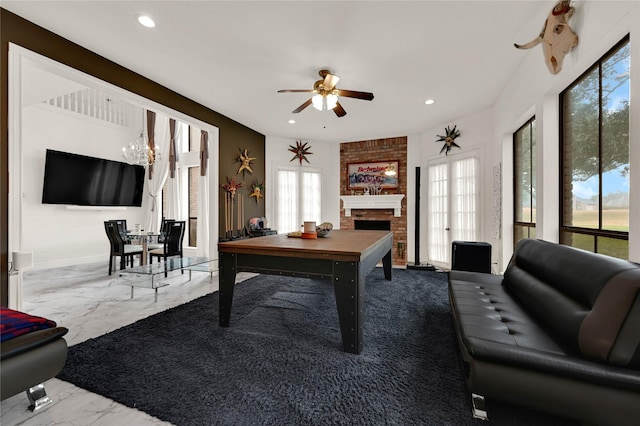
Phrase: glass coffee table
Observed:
(150, 275)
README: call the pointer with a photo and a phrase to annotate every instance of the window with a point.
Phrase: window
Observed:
(193, 172)
(299, 197)
(186, 187)
(524, 181)
(595, 156)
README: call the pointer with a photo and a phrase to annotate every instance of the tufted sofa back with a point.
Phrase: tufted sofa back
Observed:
(588, 302)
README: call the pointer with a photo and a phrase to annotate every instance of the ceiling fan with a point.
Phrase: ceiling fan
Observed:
(326, 94)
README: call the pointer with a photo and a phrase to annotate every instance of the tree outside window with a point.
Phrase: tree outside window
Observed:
(595, 156)
(524, 178)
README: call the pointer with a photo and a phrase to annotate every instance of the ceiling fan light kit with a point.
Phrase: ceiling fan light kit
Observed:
(324, 102)
(326, 94)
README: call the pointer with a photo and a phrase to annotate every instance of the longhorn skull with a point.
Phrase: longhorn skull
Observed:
(557, 37)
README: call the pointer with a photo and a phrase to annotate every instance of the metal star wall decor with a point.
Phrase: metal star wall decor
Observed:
(448, 139)
(301, 151)
(258, 188)
(245, 162)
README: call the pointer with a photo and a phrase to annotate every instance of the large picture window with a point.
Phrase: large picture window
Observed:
(524, 181)
(595, 156)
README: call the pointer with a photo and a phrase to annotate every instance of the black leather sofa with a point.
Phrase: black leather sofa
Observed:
(559, 332)
(28, 360)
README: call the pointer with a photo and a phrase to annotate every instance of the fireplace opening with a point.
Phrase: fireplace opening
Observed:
(372, 225)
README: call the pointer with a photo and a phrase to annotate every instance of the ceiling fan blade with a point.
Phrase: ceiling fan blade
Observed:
(367, 96)
(296, 91)
(330, 81)
(340, 112)
(303, 106)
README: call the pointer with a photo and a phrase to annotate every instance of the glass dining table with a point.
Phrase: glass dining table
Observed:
(143, 238)
(150, 275)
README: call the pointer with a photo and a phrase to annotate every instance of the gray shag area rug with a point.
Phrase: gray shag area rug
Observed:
(281, 360)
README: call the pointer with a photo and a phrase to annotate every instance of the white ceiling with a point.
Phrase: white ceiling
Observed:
(233, 56)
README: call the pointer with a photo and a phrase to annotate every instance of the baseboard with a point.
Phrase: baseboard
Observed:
(59, 263)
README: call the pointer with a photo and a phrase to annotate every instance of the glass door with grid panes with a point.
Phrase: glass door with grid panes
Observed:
(299, 197)
(452, 205)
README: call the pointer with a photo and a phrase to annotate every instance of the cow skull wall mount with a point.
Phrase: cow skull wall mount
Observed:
(557, 37)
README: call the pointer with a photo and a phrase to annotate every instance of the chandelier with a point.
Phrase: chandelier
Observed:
(138, 152)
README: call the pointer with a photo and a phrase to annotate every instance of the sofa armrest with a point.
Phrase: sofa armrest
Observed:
(30, 341)
(556, 364)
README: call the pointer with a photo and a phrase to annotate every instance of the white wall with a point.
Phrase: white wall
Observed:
(56, 235)
(534, 90)
(476, 138)
(326, 157)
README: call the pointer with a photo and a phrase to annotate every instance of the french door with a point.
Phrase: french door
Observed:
(452, 206)
(299, 197)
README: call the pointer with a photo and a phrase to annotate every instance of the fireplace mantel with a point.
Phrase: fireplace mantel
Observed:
(366, 202)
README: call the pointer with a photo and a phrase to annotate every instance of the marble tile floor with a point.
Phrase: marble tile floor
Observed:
(90, 303)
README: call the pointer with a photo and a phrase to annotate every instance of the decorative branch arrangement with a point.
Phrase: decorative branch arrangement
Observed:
(301, 151)
(231, 188)
(449, 139)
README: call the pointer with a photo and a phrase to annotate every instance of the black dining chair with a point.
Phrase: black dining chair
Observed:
(164, 230)
(122, 229)
(118, 247)
(121, 223)
(172, 245)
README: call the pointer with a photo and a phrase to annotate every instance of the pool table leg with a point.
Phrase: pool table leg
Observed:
(349, 290)
(227, 284)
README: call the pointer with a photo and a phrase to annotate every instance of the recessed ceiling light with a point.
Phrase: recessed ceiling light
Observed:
(429, 102)
(292, 121)
(145, 21)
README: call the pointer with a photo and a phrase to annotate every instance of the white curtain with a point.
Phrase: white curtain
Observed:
(438, 206)
(311, 197)
(203, 199)
(174, 209)
(464, 200)
(287, 201)
(160, 171)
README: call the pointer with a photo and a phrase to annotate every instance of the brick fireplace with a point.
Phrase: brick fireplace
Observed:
(389, 149)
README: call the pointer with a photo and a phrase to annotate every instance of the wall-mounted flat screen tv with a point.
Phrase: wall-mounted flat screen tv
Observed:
(75, 179)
